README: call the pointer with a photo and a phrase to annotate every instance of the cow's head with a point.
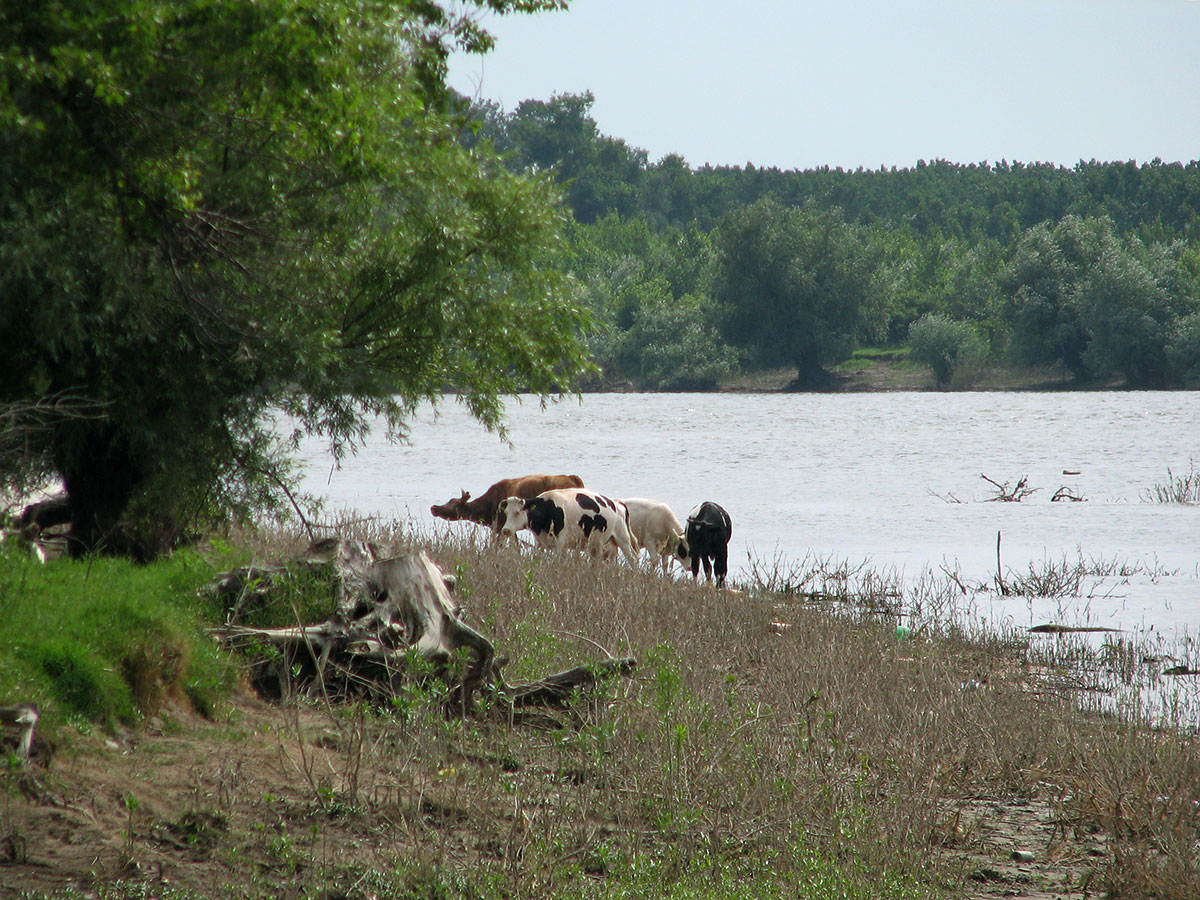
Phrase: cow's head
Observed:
(453, 509)
(675, 544)
(682, 551)
(512, 515)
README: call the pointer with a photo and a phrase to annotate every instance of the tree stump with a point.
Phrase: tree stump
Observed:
(390, 611)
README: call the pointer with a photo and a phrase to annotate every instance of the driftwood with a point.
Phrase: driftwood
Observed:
(1181, 670)
(1066, 493)
(51, 512)
(557, 690)
(1051, 628)
(1006, 494)
(389, 612)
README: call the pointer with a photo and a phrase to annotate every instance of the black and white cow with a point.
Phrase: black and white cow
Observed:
(707, 540)
(572, 519)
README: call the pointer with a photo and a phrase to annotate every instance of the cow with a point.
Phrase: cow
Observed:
(654, 529)
(707, 540)
(572, 519)
(486, 509)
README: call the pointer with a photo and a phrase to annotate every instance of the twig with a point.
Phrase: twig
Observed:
(587, 640)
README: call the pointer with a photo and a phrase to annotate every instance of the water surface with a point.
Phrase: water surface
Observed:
(892, 479)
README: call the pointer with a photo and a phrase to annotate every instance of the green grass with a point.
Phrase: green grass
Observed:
(106, 641)
(899, 353)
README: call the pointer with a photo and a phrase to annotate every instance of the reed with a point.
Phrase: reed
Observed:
(1177, 488)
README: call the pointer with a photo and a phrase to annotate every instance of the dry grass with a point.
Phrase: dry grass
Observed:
(759, 716)
(777, 740)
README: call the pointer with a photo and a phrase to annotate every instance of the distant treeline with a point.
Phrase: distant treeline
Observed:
(695, 274)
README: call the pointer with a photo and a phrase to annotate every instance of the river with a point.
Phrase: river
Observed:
(893, 480)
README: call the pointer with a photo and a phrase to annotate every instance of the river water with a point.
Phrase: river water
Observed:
(893, 480)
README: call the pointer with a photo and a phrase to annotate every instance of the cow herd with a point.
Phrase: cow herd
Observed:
(562, 514)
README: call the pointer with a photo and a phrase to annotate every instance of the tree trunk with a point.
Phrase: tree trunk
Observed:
(101, 477)
(810, 374)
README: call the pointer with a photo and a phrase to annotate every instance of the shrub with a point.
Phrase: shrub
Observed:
(671, 347)
(953, 350)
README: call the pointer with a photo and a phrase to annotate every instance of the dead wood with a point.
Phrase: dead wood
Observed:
(389, 612)
(1066, 493)
(52, 512)
(559, 689)
(1014, 494)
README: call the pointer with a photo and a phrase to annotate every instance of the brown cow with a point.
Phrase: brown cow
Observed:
(485, 509)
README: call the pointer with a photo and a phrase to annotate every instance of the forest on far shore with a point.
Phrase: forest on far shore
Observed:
(697, 275)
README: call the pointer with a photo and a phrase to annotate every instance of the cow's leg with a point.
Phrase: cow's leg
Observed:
(707, 567)
(695, 567)
(721, 565)
(627, 547)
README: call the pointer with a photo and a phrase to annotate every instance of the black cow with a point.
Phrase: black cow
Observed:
(707, 540)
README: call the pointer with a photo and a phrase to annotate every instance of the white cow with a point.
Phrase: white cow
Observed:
(654, 528)
(572, 519)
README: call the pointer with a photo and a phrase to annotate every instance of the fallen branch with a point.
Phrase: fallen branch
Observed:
(1051, 628)
(556, 690)
(1066, 493)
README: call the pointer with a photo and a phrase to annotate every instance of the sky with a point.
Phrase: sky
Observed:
(798, 84)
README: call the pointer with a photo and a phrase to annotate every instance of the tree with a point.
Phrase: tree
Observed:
(215, 208)
(672, 346)
(1043, 282)
(1183, 350)
(797, 286)
(1102, 305)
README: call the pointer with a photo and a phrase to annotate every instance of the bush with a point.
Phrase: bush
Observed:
(953, 350)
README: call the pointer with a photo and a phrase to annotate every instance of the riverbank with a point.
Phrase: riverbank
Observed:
(874, 370)
(878, 370)
(769, 743)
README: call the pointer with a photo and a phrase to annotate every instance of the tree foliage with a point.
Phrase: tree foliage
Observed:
(214, 208)
(1103, 306)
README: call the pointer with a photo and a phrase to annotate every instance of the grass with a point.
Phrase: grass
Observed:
(778, 741)
(104, 640)
(891, 369)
